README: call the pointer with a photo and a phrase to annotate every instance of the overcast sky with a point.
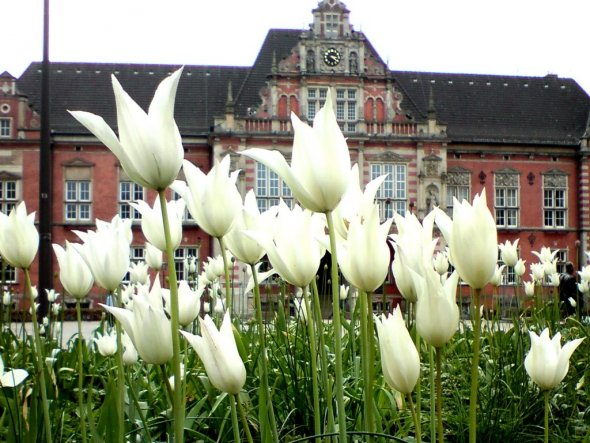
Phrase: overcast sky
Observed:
(512, 37)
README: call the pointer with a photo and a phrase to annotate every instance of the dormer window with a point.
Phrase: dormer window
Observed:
(4, 128)
(332, 25)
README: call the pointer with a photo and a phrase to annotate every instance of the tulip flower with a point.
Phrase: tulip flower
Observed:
(545, 254)
(529, 288)
(147, 325)
(261, 277)
(355, 202)
(56, 309)
(547, 362)
(6, 298)
(124, 224)
(496, 279)
(74, 273)
(153, 226)
(519, 267)
(245, 248)
(138, 272)
(292, 244)
(218, 351)
(583, 286)
(213, 199)
(403, 278)
(214, 268)
(321, 187)
(189, 302)
(364, 256)
(437, 313)
(441, 263)
(19, 238)
(509, 252)
(106, 252)
(52, 296)
(153, 257)
(538, 272)
(554, 279)
(300, 308)
(12, 377)
(474, 241)
(129, 351)
(149, 146)
(344, 290)
(106, 344)
(399, 358)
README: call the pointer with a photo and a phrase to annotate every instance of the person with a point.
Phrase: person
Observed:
(569, 296)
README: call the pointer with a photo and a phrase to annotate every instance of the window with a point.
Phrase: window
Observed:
(8, 198)
(270, 188)
(77, 200)
(332, 25)
(506, 199)
(554, 200)
(7, 273)
(508, 275)
(4, 128)
(128, 192)
(137, 254)
(346, 106)
(458, 186)
(392, 195)
(182, 253)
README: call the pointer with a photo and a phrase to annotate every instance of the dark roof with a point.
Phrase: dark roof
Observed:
(277, 45)
(201, 95)
(502, 109)
(476, 108)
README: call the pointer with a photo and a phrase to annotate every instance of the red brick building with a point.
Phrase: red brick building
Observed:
(523, 139)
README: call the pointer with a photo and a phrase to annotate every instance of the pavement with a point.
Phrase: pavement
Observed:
(70, 328)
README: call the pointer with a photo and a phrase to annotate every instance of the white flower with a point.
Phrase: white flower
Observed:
(509, 252)
(189, 302)
(152, 223)
(529, 288)
(441, 263)
(213, 199)
(149, 146)
(106, 344)
(519, 267)
(19, 238)
(545, 254)
(399, 358)
(74, 273)
(153, 256)
(218, 351)
(320, 165)
(344, 290)
(12, 377)
(6, 298)
(51, 295)
(496, 279)
(547, 362)
(138, 272)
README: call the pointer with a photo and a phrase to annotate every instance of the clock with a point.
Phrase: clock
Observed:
(332, 56)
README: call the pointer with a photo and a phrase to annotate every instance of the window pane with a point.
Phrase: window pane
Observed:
(84, 191)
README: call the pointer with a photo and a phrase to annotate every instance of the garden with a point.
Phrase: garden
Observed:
(165, 366)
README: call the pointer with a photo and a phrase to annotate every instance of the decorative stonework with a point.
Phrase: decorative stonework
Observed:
(555, 178)
(389, 157)
(458, 178)
(432, 165)
(507, 178)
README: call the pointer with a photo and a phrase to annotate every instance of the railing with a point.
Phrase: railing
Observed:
(266, 125)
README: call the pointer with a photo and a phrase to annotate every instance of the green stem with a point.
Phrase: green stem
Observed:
(120, 373)
(340, 410)
(138, 408)
(474, 367)
(546, 395)
(234, 418)
(366, 363)
(244, 420)
(314, 371)
(432, 378)
(440, 429)
(81, 373)
(40, 357)
(228, 298)
(178, 399)
(323, 355)
(416, 419)
(265, 397)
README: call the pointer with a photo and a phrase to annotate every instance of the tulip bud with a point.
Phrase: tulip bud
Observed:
(399, 358)
(153, 257)
(519, 267)
(106, 344)
(19, 239)
(529, 288)
(509, 252)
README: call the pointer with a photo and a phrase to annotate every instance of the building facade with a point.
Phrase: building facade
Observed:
(437, 136)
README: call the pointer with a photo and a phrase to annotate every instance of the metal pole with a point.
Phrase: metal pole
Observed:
(45, 280)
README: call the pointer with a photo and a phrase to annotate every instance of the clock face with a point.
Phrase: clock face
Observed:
(332, 57)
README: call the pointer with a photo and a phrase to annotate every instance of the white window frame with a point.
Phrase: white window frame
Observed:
(332, 25)
(180, 254)
(393, 192)
(346, 105)
(270, 188)
(507, 199)
(5, 127)
(8, 195)
(76, 201)
(10, 275)
(133, 193)
(555, 195)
